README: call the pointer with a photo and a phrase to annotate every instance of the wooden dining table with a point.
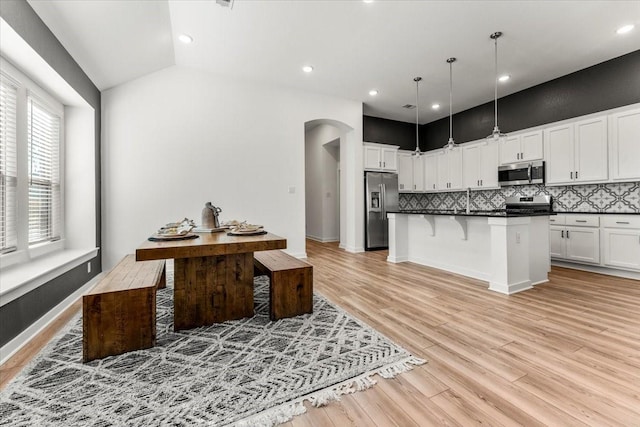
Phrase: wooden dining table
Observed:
(213, 275)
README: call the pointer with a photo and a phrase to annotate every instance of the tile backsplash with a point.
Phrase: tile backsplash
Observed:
(595, 198)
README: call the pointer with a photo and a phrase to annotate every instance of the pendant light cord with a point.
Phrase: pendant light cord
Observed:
(417, 117)
(417, 80)
(451, 99)
(495, 83)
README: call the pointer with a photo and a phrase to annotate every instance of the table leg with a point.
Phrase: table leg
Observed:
(213, 289)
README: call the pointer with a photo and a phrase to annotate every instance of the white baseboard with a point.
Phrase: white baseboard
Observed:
(598, 269)
(10, 348)
(480, 275)
(323, 239)
(298, 254)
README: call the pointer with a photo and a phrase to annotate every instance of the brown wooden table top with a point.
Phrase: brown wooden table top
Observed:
(209, 244)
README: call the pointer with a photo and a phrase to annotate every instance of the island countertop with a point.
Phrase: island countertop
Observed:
(474, 213)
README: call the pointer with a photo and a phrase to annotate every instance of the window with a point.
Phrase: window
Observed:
(8, 166)
(31, 136)
(44, 173)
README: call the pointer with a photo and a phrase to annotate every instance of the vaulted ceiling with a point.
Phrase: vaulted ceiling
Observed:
(353, 46)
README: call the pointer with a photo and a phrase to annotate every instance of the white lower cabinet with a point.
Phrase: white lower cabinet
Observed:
(575, 238)
(583, 244)
(621, 241)
(621, 248)
(611, 241)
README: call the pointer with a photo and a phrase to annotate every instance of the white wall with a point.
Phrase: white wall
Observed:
(331, 192)
(80, 184)
(178, 138)
(321, 160)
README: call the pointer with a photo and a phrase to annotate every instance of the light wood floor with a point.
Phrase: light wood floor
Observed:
(565, 353)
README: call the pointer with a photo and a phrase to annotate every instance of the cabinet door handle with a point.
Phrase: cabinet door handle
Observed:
(571, 175)
(567, 234)
(562, 234)
(576, 174)
(379, 164)
(384, 164)
(521, 156)
(434, 186)
(481, 184)
(622, 222)
(581, 220)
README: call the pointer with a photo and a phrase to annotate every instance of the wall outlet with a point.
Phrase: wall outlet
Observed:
(517, 237)
(89, 267)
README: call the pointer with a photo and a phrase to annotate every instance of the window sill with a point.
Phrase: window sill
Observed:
(20, 279)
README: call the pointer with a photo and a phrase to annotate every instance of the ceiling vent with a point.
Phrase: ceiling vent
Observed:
(409, 106)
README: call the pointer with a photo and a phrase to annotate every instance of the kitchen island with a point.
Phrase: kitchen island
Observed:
(510, 251)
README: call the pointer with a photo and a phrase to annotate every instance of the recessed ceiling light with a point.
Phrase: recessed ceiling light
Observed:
(435, 106)
(307, 68)
(186, 39)
(504, 78)
(373, 92)
(625, 29)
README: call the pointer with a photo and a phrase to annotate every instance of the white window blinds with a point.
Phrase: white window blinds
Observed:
(8, 165)
(43, 138)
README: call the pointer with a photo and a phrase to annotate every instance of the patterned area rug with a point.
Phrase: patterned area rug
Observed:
(248, 372)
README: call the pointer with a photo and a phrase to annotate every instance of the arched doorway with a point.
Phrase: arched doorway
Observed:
(330, 186)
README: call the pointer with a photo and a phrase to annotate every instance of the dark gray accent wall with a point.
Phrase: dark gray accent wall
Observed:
(22, 312)
(607, 85)
(392, 132)
(17, 315)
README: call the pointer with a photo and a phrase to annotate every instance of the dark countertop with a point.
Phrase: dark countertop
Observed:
(598, 213)
(449, 212)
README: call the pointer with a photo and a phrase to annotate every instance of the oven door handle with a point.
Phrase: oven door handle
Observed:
(529, 173)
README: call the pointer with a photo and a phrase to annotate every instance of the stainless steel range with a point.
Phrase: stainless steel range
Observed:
(528, 205)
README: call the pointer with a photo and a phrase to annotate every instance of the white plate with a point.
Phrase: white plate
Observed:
(246, 232)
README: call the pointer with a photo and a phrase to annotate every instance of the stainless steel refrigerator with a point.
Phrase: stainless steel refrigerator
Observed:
(381, 196)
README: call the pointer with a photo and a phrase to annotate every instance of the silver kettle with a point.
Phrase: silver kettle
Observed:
(210, 217)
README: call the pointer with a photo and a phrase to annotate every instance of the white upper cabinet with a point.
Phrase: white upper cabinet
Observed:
(405, 172)
(380, 157)
(480, 165)
(591, 150)
(624, 145)
(449, 169)
(418, 173)
(431, 171)
(522, 147)
(410, 172)
(576, 152)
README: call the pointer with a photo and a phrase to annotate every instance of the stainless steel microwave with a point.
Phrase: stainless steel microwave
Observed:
(521, 173)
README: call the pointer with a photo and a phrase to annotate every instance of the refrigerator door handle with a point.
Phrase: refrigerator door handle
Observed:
(383, 197)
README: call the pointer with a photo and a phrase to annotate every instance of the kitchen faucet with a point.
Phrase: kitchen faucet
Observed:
(468, 197)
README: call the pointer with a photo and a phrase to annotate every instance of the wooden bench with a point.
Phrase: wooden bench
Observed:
(291, 283)
(119, 313)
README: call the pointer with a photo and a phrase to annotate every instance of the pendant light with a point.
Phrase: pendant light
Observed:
(417, 152)
(451, 143)
(496, 134)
